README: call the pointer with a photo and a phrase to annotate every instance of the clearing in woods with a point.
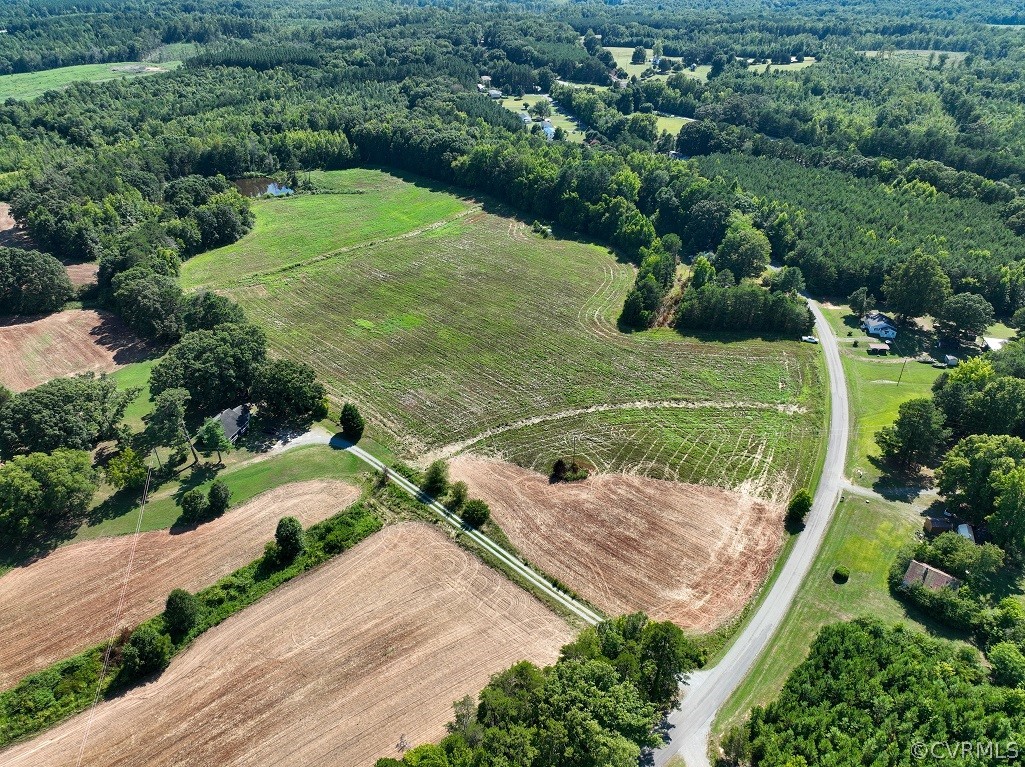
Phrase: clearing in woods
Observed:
(714, 547)
(473, 324)
(334, 668)
(64, 603)
(30, 85)
(34, 350)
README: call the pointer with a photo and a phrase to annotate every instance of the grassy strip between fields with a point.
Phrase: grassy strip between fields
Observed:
(68, 687)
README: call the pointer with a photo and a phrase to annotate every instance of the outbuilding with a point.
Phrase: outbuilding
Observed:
(880, 349)
(927, 576)
(937, 525)
(235, 422)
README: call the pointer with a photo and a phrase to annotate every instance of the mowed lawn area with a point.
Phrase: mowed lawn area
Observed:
(479, 333)
(30, 85)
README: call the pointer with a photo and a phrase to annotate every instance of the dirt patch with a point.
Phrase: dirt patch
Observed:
(11, 234)
(83, 273)
(34, 350)
(691, 554)
(66, 602)
(331, 669)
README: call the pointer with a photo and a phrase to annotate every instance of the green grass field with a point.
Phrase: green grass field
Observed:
(119, 514)
(672, 124)
(795, 66)
(136, 376)
(559, 118)
(30, 85)
(479, 324)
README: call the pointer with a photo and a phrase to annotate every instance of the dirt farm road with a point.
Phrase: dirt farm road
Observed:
(538, 581)
(709, 689)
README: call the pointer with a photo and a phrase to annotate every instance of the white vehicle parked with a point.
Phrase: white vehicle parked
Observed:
(810, 339)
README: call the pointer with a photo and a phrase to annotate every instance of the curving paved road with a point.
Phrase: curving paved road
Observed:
(709, 689)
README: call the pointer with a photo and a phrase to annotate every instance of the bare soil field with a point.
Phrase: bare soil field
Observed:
(32, 351)
(82, 273)
(62, 604)
(691, 554)
(331, 669)
(12, 235)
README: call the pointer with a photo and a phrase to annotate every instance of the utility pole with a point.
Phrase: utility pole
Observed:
(902, 371)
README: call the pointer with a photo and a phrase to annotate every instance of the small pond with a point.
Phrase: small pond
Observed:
(261, 187)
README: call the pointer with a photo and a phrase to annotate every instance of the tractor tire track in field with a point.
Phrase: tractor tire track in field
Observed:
(447, 451)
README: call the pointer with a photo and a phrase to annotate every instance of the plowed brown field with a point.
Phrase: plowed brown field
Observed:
(687, 553)
(66, 602)
(76, 341)
(330, 670)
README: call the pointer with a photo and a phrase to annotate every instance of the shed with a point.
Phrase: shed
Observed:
(965, 531)
(494, 93)
(951, 361)
(938, 525)
(882, 349)
(234, 421)
(927, 576)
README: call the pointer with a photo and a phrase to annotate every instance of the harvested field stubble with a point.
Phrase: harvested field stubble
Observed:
(686, 553)
(331, 669)
(32, 351)
(63, 603)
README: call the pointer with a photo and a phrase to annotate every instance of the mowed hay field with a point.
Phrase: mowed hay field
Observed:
(66, 602)
(33, 351)
(690, 554)
(477, 326)
(331, 669)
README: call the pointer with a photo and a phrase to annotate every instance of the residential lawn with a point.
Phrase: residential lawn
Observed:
(1000, 330)
(792, 67)
(559, 118)
(118, 515)
(672, 124)
(136, 376)
(622, 55)
(877, 386)
(479, 327)
(700, 72)
(864, 537)
(30, 85)
(358, 206)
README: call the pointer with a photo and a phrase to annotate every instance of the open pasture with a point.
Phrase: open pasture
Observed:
(67, 601)
(32, 351)
(333, 668)
(690, 554)
(479, 325)
(30, 85)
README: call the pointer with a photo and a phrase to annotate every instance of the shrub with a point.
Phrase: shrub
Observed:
(841, 574)
(436, 479)
(457, 493)
(576, 473)
(147, 651)
(290, 538)
(475, 512)
(352, 422)
(180, 612)
(218, 498)
(559, 470)
(799, 507)
(193, 505)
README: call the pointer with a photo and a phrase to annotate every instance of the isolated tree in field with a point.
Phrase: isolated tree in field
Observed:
(218, 498)
(475, 512)
(541, 108)
(290, 538)
(917, 286)
(193, 505)
(147, 652)
(861, 302)
(744, 250)
(965, 316)
(166, 424)
(288, 391)
(45, 493)
(639, 55)
(800, 505)
(457, 494)
(559, 469)
(351, 422)
(211, 438)
(181, 612)
(436, 479)
(125, 470)
(917, 436)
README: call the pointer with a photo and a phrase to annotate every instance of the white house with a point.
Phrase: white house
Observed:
(879, 327)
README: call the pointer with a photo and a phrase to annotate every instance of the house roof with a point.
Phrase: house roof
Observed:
(921, 574)
(234, 420)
